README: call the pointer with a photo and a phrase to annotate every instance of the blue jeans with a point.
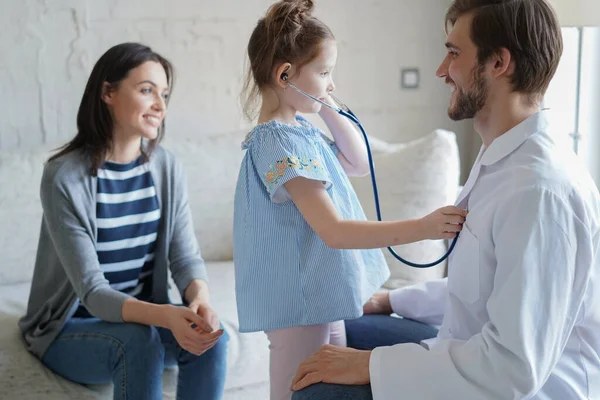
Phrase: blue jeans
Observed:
(366, 333)
(132, 357)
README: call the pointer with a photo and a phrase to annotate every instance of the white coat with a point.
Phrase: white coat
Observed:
(520, 309)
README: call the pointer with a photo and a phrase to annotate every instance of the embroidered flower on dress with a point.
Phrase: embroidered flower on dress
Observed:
(270, 177)
(278, 169)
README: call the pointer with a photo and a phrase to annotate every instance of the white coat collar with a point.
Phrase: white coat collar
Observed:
(508, 142)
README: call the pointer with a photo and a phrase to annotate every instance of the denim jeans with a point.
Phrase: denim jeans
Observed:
(366, 333)
(132, 357)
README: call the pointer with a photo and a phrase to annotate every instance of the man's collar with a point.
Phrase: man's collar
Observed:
(508, 142)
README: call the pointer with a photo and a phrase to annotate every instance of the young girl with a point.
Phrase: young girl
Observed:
(115, 216)
(296, 217)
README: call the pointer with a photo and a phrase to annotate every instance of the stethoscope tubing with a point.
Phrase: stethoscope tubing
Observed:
(343, 110)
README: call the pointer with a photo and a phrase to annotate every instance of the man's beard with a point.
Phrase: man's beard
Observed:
(468, 103)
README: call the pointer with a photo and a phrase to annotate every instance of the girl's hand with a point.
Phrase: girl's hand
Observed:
(443, 223)
(326, 111)
(197, 339)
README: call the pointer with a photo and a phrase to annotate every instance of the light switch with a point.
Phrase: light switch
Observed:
(410, 78)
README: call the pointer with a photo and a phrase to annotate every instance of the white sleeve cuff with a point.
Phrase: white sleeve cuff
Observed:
(375, 372)
(424, 302)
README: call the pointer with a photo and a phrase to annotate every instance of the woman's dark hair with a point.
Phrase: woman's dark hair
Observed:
(94, 122)
(287, 33)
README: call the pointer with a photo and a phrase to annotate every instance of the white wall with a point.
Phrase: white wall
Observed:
(49, 47)
(577, 12)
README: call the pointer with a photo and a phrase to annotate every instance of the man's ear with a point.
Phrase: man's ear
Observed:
(502, 63)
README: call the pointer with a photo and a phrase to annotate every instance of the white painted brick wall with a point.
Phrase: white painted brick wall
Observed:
(48, 49)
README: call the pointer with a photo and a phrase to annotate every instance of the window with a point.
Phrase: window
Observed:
(573, 97)
(561, 95)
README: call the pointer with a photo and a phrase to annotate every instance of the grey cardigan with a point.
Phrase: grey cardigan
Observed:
(66, 266)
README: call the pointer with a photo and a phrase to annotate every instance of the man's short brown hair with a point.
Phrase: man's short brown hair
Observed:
(530, 31)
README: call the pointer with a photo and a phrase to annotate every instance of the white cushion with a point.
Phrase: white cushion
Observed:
(212, 165)
(413, 179)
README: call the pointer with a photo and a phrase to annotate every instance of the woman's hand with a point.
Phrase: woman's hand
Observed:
(192, 332)
(443, 223)
(206, 312)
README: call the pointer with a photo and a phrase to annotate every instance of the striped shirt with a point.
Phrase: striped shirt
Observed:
(286, 275)
(127, 218)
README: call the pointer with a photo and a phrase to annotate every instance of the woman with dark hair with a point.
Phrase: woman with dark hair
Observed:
(116, 216)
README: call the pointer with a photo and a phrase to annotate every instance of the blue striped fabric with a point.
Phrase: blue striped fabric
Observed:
(127, 217)
(285, 274)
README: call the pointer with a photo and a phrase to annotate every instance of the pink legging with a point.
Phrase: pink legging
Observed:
(289, 347)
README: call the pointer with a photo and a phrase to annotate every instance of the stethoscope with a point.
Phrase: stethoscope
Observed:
(343, 109)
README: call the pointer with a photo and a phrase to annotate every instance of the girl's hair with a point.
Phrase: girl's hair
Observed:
(94, 122)
(287, 33)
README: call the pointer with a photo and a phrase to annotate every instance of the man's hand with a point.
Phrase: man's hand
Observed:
(378, 304)
(332, 364)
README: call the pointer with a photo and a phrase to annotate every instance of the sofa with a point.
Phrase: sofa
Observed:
(414, 178)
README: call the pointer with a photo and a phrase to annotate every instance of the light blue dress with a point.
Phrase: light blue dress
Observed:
(285, 274)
